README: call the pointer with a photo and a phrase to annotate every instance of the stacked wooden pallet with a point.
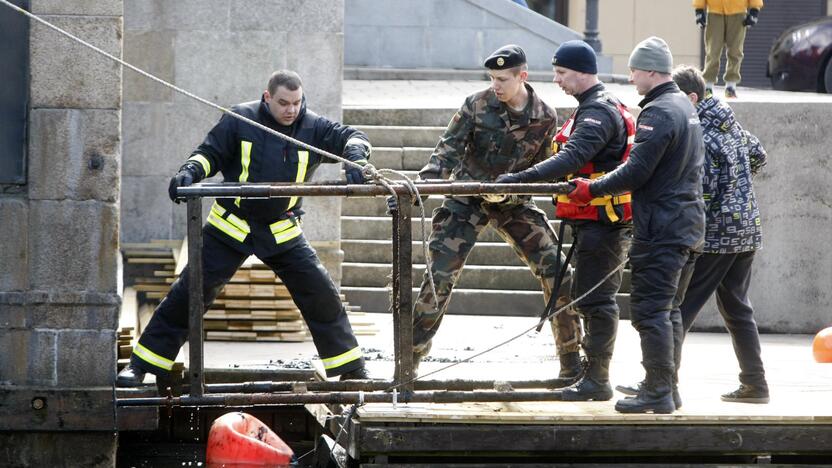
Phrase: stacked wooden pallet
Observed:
(253, 306)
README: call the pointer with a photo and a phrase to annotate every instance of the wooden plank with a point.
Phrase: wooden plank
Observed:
(151, 260)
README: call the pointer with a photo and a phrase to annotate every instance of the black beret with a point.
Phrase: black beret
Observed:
(505, 57)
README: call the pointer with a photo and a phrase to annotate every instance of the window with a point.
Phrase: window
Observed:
(14, 93)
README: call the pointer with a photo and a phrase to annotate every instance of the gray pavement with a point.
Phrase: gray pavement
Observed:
(427, 94)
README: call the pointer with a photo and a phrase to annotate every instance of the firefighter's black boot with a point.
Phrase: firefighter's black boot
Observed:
(655, 396)
(130, 376)
(594, 384)
(571, 369)
(356, 374)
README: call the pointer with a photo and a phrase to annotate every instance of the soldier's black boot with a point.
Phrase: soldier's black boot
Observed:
(748, 394)
(655, 396)
(130, 376)
(594, 385)
(571, 369)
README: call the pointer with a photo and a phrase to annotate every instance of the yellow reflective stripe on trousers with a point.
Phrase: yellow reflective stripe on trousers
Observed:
(203, 161)
(303, 162)
(150, 357)
(245, 161)
(341, 359)
(285, 230)
(231, 224)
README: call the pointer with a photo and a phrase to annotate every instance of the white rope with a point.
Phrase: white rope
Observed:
(367, 170)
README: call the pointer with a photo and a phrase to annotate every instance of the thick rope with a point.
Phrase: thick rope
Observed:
(517, 336)
(367, 170)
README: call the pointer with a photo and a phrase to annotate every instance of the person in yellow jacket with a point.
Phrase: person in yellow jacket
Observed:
(725, 22)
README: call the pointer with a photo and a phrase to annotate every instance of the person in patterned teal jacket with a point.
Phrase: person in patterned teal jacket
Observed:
(732, 233)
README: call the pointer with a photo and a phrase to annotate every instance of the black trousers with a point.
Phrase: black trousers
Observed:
(660, 276)
(729, 276)
(308, 282)
(599, 249)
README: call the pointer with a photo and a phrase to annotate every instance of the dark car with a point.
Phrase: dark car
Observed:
(800, 58)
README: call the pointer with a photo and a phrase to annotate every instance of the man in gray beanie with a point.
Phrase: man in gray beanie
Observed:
(664, 174)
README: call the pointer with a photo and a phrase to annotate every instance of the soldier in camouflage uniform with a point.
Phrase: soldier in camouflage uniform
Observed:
(503, 128)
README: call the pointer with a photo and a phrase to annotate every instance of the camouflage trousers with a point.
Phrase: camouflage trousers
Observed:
(456, 226)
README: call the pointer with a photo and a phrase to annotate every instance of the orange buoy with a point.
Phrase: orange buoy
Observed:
(822, 345)
(241, 440)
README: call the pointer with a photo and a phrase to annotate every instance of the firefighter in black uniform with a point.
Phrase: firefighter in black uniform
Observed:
(594, 140)
(267, 228)
(664, 173)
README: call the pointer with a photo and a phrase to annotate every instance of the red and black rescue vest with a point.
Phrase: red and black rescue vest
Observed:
(607, 208)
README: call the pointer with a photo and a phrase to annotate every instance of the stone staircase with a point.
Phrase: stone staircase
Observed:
(494, 282)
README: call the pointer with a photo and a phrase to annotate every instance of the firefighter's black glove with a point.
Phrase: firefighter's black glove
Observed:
(523, 177)
(187, 175)
(751, 17)
(510, 178)
(354, 175)
(701, 18)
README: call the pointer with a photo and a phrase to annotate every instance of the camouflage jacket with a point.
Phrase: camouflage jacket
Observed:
(482, 141)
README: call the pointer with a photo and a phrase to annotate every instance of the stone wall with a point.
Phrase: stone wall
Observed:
(59, 288)
(448, 34)
(223, 51)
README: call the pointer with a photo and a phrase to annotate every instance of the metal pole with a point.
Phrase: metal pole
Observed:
(195, 303)
(403, 283)
(591, 32)
(265, 399)
(376, 385)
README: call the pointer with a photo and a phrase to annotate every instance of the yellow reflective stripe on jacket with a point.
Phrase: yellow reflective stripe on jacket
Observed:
(245, 161)
(341, 359)
(303, 163)
(203, 161)
(285, 230)
(232, 225)
(150, 357)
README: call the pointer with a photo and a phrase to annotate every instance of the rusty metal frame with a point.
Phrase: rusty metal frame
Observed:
(402, 304)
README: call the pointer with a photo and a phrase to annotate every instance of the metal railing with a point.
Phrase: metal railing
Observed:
(404, 381)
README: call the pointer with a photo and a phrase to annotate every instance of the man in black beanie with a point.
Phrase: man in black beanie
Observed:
(664, 173)
(596, 139)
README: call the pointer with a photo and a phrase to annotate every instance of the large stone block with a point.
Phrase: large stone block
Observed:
(74, 246)
(393, 13)
(75, 154)
(361, 46)
(228, 67)
(151, 51)
(322, 76)
(28, 357)
(77, 7)
(59, 310)
(145, 208)
(65, 74)
(14, 255)
(88, 449)
(153, 139)
(181, 15)
(95, 366)
(304, 16)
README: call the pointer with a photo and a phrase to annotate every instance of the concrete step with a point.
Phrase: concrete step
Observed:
(377, 206)
(399, 136)
(381, 251)
(409, 159)
(370, 227)
(399, 117)
(368, 263)
(472, 276)
(470, 301)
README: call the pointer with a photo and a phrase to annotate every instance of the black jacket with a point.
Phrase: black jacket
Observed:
(598, 135)
(664, 171)
(243, 152)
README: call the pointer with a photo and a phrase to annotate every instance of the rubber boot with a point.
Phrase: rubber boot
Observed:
(594, 385)
(571, 369)
(655, 396)
(130, 376)
(633, 389)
